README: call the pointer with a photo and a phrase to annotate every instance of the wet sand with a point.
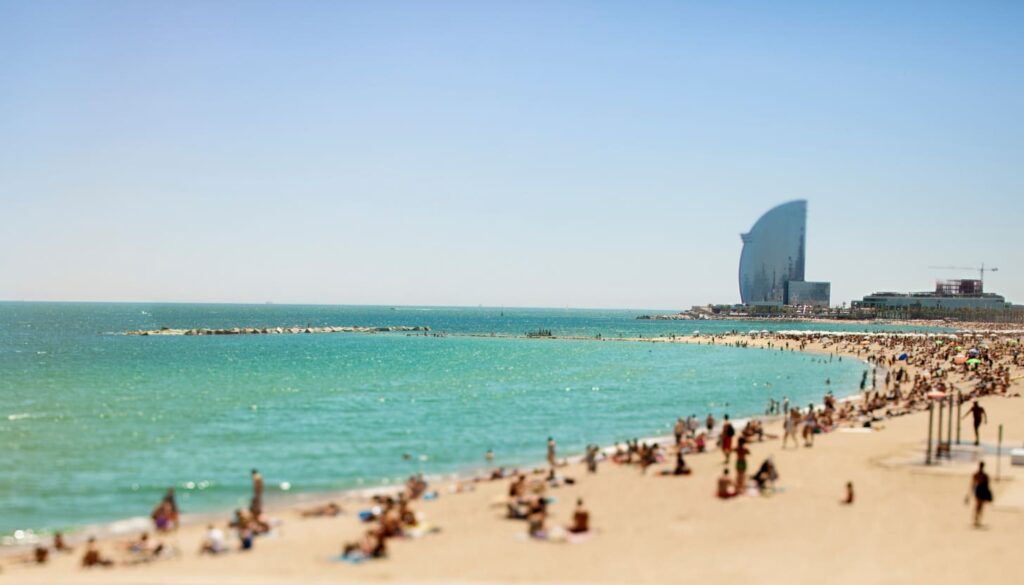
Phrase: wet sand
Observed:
(909, 524)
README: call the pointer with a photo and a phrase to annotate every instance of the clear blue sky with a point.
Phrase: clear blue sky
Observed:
(588, 154)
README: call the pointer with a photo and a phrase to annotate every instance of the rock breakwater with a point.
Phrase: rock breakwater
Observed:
(277, 330)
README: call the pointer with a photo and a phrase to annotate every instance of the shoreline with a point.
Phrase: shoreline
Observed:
(643, 521)
(122, 527)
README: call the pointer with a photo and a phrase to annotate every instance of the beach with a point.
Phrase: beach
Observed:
(909, 523)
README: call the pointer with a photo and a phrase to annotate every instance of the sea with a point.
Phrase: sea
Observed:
(96, 425)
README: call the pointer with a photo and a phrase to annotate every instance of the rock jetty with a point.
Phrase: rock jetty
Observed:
(684, 316)
(276, 330)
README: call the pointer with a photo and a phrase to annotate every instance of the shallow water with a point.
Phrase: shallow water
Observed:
(93, 427)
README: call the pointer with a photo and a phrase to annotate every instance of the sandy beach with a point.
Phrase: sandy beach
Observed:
(909, 522)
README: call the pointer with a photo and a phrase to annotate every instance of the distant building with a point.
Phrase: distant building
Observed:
(772, 262)
(950, 295)
(799, 292)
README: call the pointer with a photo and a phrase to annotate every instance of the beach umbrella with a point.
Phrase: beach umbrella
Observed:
(959, 359)
(936, 395)
(903, 356)
(972, 352)
(973, 361)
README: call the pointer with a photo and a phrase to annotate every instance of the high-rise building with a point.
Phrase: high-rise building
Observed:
(772, 261)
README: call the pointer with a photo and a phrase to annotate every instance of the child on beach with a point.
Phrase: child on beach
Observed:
(848, 499)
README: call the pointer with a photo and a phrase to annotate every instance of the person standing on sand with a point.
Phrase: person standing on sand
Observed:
(810, 425)
(710, 422)
(789, 424)
(741, 465)
(979, 416)
(256, 506)
(982, 492)
(785, 405)
(551, 451)
(727, 434)
(679, 429)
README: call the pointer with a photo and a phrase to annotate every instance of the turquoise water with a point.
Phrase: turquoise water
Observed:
(94, 426)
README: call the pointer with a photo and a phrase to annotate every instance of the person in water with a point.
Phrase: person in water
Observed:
(982, 492)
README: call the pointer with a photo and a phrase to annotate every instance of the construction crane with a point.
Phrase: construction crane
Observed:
(981, 270)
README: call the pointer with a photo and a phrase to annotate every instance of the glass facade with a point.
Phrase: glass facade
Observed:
(816, 294)
(773, 254)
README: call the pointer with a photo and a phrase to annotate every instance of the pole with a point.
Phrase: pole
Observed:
(999, 454)
(928, 449)
(938, 431)
(960, 400)
(949, 429)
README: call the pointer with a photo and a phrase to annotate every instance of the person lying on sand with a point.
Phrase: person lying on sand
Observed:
(140, 546)
(92, 556)
(330, 510)
(554, 480)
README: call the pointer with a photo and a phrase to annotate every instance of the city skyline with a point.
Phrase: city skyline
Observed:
(583, 155)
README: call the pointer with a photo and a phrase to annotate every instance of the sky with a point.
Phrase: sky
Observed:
(527, 153)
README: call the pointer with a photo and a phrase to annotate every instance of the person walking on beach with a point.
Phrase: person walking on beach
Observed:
(979, 417)
(982, 492)
(551, 451)
(710, 422)
(785, 405)
(679, 429)
(256, 506)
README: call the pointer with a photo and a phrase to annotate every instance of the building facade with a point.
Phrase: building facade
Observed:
(773, 254)
(817, 294)
(772, 261)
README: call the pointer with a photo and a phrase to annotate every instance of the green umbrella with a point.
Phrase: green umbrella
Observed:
(973, 361)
